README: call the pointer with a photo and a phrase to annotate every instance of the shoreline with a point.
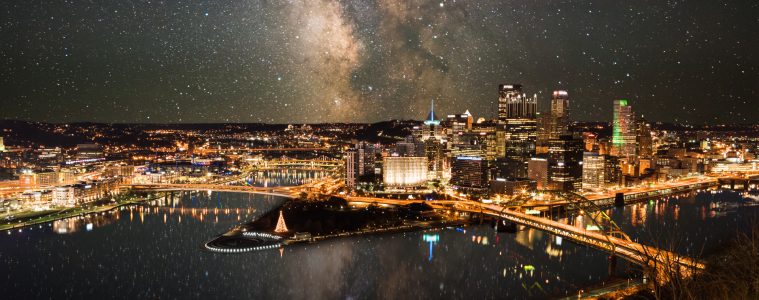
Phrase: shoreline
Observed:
(378, 231)
(70, 214)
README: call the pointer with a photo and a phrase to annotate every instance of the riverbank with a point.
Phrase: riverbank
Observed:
(28, 219)
(298, 222)
(383, 230)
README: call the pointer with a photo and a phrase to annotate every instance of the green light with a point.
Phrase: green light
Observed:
(616, 138)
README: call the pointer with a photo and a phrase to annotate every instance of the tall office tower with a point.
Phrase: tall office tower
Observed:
(644, 140)
(434, 144)
(592, 171)
(2, 145)
(543, 135)
(470, 174)
(559, 114)
(517, 113)
(623, 131)
(521, 136)
(513, 104)
(565, 163)
(554, 124)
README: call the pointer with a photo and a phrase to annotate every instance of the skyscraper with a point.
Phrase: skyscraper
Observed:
(517, 113)
(565, 162)
(2, 145)
(513, 104)
(559, 114)
(644, 139)
(434, 143)
(623, 131)
(554, 124)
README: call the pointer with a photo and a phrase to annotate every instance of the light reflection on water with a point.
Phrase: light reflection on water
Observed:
(154, 252)
(285, 177)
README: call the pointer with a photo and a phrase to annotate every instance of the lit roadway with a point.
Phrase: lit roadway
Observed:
(660, 186)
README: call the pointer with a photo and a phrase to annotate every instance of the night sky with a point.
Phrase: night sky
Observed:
(365, 61)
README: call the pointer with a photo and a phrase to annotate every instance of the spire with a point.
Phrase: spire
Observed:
(432, 105)
(431, 118)
(281, 227)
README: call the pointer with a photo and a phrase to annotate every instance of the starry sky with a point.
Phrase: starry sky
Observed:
(371, 60)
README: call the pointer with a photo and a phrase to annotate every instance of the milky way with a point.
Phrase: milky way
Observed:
(363, 61)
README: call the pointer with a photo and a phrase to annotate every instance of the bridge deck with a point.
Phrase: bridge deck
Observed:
(634, 252)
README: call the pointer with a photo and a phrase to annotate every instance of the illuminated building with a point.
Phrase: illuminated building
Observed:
(518, 133)
(565, 163)
(600, 171)
(560, 111)
(513, 104)
(431, 128)
(537, 170)
(592, 171)
(2, 145)
(64, 196)
(359, 161)
(404, 171)
(470, 174)
(555, 123)
(644, 140)
(591, 141)
(612, 171)
(623, 130)
(457, 125)
(520, 138)
(434, 144)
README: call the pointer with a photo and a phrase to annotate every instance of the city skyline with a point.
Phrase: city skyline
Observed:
(218, 62)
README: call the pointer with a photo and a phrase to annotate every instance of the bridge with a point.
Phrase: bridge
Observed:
(606, 237)
(616, 244)
(298, 164)
(288, 149)
(325, 186)
(738, 181)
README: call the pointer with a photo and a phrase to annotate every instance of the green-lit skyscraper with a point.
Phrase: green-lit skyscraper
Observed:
(623, 135)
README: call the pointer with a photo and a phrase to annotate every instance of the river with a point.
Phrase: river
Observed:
(154, 251)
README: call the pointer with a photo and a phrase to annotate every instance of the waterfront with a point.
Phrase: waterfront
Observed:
(155, 251)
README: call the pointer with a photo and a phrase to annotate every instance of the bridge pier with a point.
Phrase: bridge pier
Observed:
(612, 265)
(619, 200)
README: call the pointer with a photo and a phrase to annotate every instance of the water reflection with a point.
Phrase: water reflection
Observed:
(688, 222)
(285, 177)
(154, 251)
